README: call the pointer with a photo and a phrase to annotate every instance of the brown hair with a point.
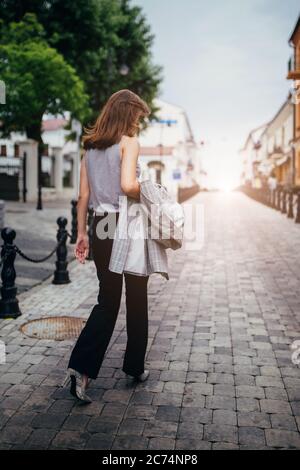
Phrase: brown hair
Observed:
(119, 116)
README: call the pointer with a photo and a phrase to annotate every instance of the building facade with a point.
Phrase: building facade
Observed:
(251, 157)
(269, 150)
(59, 164)
(294, 75)
(169, 154)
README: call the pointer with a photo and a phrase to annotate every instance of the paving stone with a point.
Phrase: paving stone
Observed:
(100, 424)
(256, 419)
(141, 411)
(161, 443)
(72, 440)
(160, 428)
(61, 406)
(224, 390)
(270, 371)
(247, 404)
(215, 378)
(99, 441)
(168, 413)
(199, 388)
(251, 436)
(201, 415)
(21, 419)
(12, 378)
(192, 444)
(191, 430)
(15, 434)
(244, 379)
(282, 439)
(130, 442)
(275, 406)
(142, 397)
(173, 375)
(224, 446)
(295, 405)
(169, 398)
(283, 421)
(48, 420)
(276, 393)
(76, 422)
(40, 439)
(248, 391)
(246, 370)
(268, 381)
(5, 415)
(225, 417)
(222, 403)
(224, 433)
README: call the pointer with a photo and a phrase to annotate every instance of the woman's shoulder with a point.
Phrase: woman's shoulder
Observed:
(126, 140)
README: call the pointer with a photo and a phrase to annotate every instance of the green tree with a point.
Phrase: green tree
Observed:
(97, 37)
(37, 79)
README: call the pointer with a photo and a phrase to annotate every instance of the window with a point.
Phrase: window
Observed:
(3, 151)
(298, 164)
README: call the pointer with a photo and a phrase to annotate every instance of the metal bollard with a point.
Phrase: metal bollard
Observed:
(270, 197)
(74, 222)
(283, 206)
(274, 197)
(278, 200)
(9, 305)
(90, 222)
(290, 213)
(297, 219)
(61, 274)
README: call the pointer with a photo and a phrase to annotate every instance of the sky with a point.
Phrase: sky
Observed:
(225, 63)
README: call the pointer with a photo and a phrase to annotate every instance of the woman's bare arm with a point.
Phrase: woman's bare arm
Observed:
(130, 152)
(83, 199)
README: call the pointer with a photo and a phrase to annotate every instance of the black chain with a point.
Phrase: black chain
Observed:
(20, 252)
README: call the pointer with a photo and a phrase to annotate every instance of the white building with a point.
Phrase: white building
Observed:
(169, 153)
(251, 156)
(278, 150)
(268, 149)
(60, 162)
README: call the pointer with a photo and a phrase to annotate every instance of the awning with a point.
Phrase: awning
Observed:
(282, 160)
(266, 166)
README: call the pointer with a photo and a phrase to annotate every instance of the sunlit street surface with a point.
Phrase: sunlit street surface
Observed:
(219, 351)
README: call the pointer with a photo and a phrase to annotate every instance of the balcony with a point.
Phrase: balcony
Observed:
(293, 69)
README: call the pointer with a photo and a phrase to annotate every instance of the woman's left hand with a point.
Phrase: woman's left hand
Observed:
(81, 250)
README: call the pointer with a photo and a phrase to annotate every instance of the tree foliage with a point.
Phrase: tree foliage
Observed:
(97, 37)
(37, 79)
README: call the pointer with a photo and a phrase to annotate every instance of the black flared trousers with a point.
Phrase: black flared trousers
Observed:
(89, 350)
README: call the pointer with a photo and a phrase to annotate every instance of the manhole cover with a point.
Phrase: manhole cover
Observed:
(57, 328)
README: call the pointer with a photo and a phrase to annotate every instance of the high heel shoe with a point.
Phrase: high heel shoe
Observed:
(142, 377)
(77, 388)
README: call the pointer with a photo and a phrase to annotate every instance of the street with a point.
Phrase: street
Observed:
(219, 349)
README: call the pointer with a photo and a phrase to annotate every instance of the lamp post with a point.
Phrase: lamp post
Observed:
(123, 68)
(39, 205)
(162, 122)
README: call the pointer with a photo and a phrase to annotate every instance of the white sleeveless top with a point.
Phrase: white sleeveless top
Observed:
(104, 176)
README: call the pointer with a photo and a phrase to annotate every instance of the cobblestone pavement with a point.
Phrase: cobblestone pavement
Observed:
(219, 355)
(36, 236)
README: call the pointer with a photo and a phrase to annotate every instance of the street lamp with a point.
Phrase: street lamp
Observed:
(162, 122)
(39, 205)
(124, 70)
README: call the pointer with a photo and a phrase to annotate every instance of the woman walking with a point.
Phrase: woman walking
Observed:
(110, 169)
